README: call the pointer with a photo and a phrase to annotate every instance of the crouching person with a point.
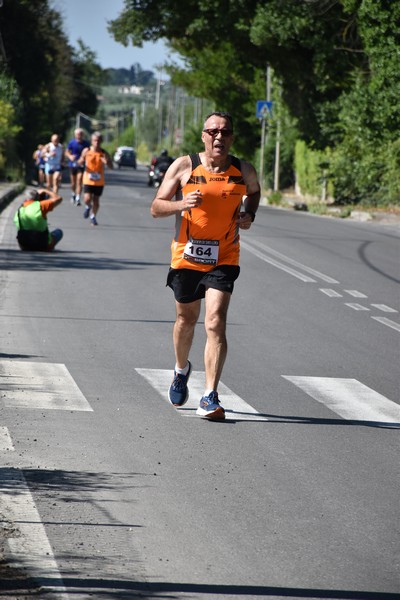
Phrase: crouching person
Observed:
(31, 221)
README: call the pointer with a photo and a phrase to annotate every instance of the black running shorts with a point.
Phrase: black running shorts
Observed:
(189, 285)
(76, 170)
(96, 190)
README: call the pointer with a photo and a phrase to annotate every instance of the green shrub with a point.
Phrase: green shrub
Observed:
(275, 198)
(312, 170)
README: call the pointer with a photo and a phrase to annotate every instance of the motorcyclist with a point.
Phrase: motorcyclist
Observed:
(163, 161)
(158, 167)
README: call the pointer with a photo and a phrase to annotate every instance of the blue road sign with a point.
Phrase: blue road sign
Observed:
(264, 109)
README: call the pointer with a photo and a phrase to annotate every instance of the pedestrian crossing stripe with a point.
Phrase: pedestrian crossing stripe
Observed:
(40, 386)
(236, 409)
(50, 386)
(349, 399)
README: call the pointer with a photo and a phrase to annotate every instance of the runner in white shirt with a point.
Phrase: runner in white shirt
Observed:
(53, 153)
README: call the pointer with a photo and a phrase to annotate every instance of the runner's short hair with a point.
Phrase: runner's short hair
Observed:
(33, 195)
(224, 115)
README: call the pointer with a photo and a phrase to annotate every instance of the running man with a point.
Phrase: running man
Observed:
(95, 158)
(53, 155)
(212, 196)
(73, 153)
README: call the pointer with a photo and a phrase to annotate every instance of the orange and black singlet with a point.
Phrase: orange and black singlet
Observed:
(208, 235)
(94, 168)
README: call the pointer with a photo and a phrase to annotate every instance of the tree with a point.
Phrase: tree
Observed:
(87, 78)
(219, 71)
(41, 62)
(306, 42)
(334, 58)
(366, 162)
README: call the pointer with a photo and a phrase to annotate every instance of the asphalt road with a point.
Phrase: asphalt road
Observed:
(107, 491)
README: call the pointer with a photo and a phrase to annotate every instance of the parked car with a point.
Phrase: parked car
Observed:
(125, 156)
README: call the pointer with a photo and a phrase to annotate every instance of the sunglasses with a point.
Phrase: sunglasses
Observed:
(215, 132)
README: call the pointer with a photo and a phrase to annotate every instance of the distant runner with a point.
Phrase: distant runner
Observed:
(73, 153)
(95, 159)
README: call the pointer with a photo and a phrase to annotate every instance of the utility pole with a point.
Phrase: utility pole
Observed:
(277, 155)
(278, 144)
(264, 135)
(158, 89)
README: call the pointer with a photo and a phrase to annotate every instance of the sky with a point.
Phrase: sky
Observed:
(87, 19)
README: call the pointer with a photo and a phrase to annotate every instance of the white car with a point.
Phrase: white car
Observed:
(125, 156)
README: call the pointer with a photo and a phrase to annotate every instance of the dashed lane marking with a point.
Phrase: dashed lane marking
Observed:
(384, 308)
(331, 293)
(349, 398)
(39, 386)
(387, 322)
(236, 409)
(356, 306)
(355, 294)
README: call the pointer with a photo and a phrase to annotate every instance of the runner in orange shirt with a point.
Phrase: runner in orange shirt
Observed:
(95, 159)
(212, 195)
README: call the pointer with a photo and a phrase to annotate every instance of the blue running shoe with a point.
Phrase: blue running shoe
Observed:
(93, 220)
(179, 392)
(86, 212)
(210, 408)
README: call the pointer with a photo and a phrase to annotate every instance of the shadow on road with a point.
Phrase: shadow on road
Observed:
(15, 260)
(77, 487)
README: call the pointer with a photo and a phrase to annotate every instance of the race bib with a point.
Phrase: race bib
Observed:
(95, 176)
(202, 251)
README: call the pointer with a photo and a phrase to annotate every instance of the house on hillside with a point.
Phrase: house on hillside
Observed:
(130, 89)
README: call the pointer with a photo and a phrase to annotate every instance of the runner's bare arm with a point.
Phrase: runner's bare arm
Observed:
(106, 158)
(253, 194)
(81, 160)
(252, 198)
(177, 175)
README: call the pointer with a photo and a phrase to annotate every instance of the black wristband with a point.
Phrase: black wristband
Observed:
(253, 214)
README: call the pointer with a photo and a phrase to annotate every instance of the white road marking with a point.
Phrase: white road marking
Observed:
(5, 440)
(384, 308)
(388, 322)
(277, 264)
(356, 306)
(287, 259)
(263, 253)
(29, 547)
(4, 220)
(40, 386)
(331, 293)
(356, 294)
(349, 398)
(236, 409)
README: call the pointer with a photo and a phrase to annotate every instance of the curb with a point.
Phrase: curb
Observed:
(388, 217)
(8, 192)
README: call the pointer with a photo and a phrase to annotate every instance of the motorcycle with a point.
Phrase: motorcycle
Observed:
(151, 175)
(156, 176)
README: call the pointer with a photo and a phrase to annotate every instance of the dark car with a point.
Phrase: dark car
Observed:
(125, 156)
